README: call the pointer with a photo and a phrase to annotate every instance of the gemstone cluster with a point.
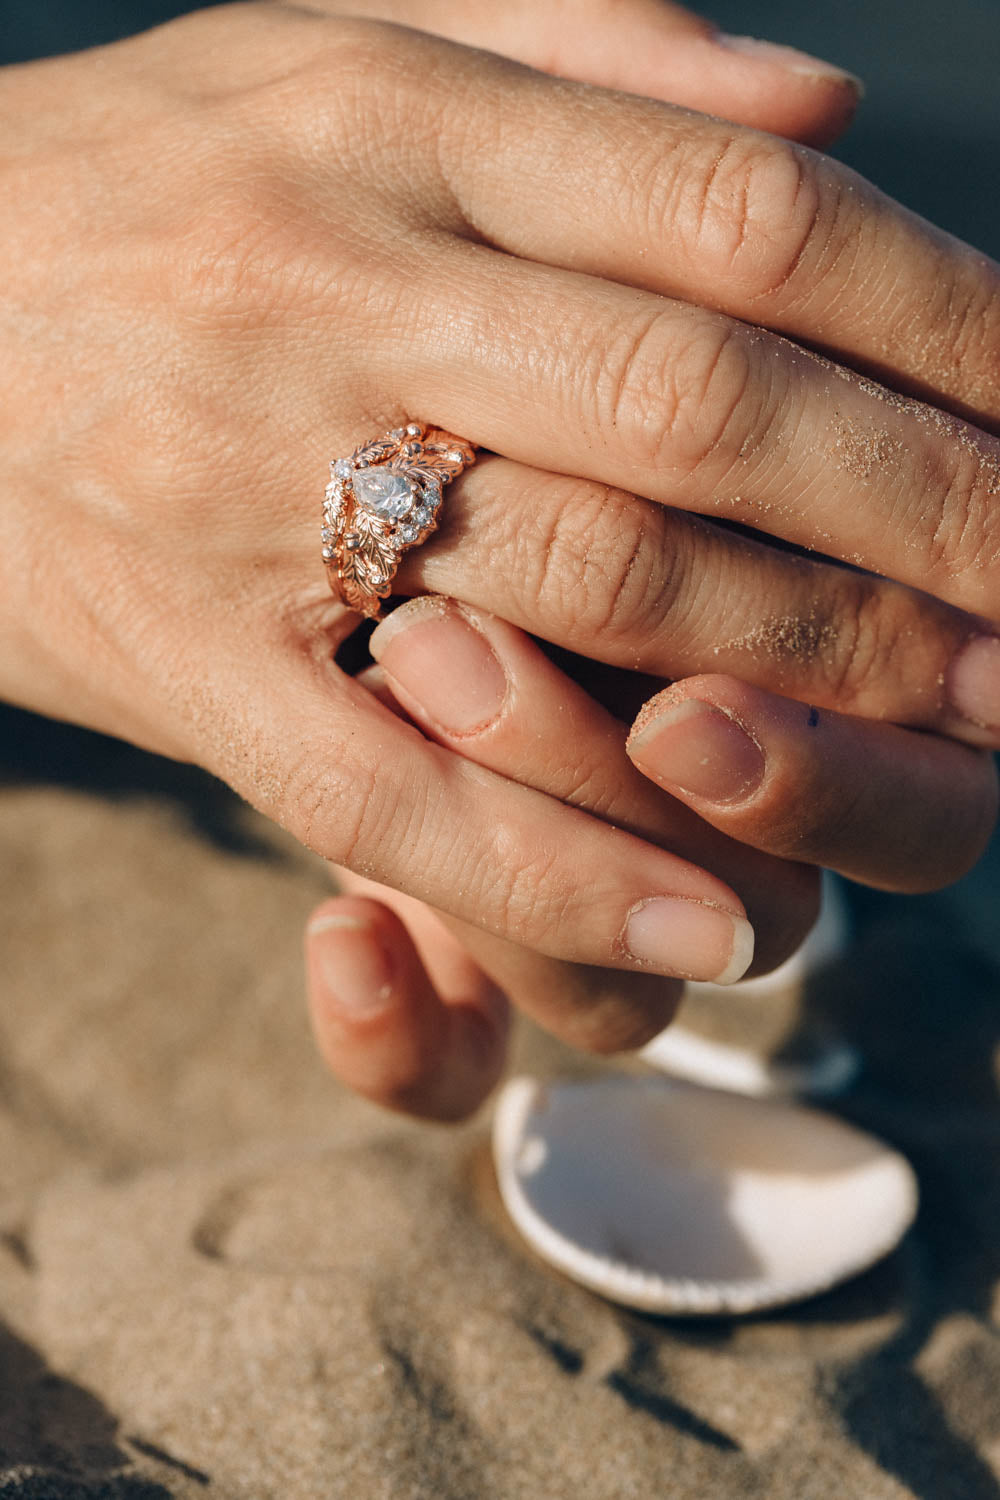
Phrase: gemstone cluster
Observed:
(381, 501)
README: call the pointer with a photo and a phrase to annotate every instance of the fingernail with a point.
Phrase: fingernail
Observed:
(973, 682)
(789, 58)
(694, 747)
(689, 939)
(354, 969)
(440, 659)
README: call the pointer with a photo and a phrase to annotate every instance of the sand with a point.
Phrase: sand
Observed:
(222, 1276)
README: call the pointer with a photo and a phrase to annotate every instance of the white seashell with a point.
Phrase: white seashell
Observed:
(682, 1200)
(684, 1053)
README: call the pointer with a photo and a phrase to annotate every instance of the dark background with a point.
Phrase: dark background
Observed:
(928, 131)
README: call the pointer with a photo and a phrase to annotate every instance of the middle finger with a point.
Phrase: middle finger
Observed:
(695, 410)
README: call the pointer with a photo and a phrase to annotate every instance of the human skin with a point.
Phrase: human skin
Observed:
(314, 227)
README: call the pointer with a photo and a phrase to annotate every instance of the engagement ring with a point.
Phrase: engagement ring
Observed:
(381, 501)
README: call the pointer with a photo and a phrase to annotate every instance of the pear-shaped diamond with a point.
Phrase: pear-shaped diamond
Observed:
(383, 491)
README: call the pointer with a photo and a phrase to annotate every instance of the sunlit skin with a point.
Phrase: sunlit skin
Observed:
(314, 228)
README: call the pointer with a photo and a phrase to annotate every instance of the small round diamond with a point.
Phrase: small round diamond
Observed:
(422, 516)
(397, 433)
(454, 456)
(343, 468)
(408, 532)
(327, 554)
(414, 429)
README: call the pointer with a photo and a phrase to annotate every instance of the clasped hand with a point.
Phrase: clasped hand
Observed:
(257, 236)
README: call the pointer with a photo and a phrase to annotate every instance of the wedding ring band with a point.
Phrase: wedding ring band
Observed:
(380, 502)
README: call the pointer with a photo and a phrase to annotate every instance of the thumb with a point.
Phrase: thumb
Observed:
(400, 1012)
(654, 48)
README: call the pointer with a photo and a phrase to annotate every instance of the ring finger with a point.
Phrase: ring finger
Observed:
(652, 589)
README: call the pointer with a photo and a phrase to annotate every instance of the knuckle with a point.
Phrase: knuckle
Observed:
(524, 883)
(333, 807)
(288, 65)
(634, 384)
(253, 261)
(599, 564)
(528, 893)
(263, 247)
(864, 627)
(680, 397)
(716, 405)
(763, 214)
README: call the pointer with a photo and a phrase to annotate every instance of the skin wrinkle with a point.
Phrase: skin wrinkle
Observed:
(939, 362)
(621, 607)
(806, 231)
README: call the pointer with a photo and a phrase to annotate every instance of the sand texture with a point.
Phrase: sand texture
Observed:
(221, 1276)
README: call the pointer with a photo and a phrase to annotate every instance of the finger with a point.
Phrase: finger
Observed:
(590, 1008)
(728, 218)
(566, 371)
(400, 1013)
(656, 590)
(486, 690)
(650, 47)
(705, 414)
(894, 809)
(312, 749)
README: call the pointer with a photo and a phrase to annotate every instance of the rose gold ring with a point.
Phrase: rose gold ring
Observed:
(382, 501)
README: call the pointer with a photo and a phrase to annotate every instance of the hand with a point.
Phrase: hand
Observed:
(436, 1043)
(405, 1005)
(237, 315)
